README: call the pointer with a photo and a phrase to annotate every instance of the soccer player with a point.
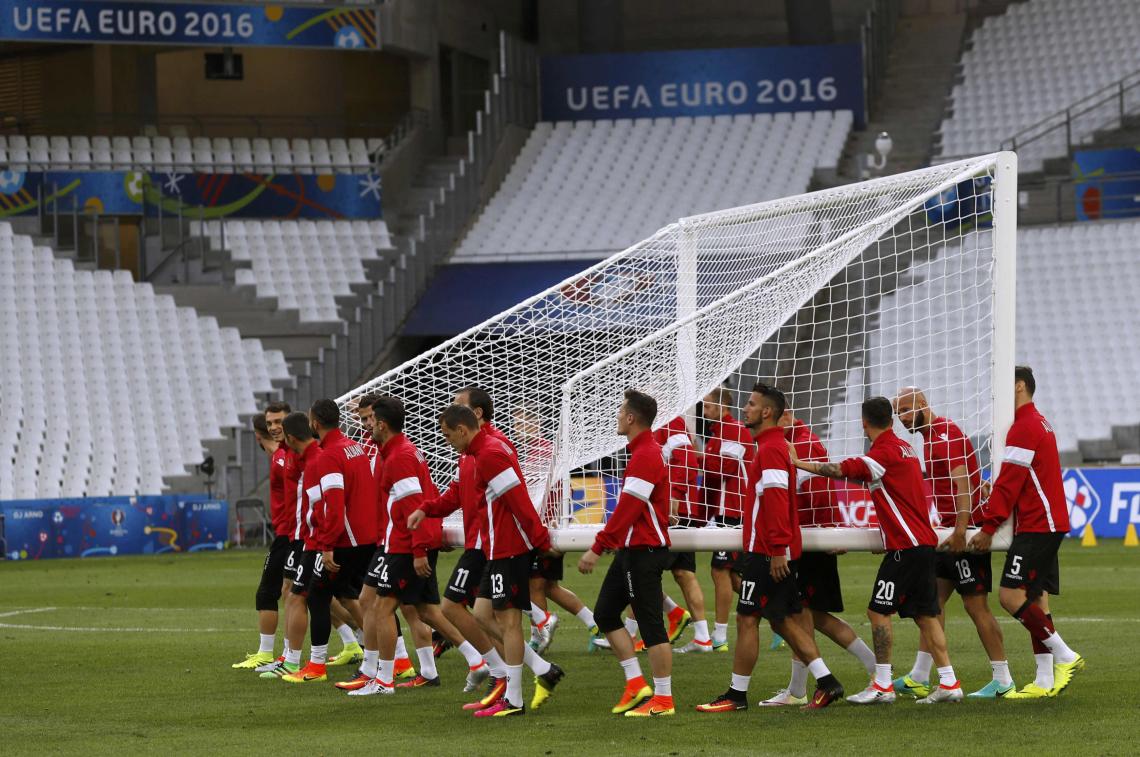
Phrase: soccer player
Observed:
(546, 572)
(906, 582)
(817, 574)
(342, 534)
(728, 452)
(638, 533)
(272, 585)
(298, 435)
(678, 453)
(952, 469)
(1029, 488)
(510, 532)
(772, 547)
(404, 573)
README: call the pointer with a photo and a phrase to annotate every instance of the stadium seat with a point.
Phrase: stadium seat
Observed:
(124, 349)
(1032, 62)
(283, 264)
(587, 189)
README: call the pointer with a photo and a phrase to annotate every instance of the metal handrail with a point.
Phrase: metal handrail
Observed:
(64, 124)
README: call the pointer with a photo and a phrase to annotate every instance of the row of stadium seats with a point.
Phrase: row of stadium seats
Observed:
(306, 265)
(202, 154)
(585, 189)
(1039, 58)
(105, 387)
(1076, 326)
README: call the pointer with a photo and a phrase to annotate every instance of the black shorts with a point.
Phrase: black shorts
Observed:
(725, 559)
(397, 578)
(549, 568)
(634, 580)
(272, 574)
(293, 559)
(905, 584)
(970, 572)
(463, 586)
(682, 561)
(817, 575)
(314, 576)
(762, 595)
(1031, 564)
(506, 582)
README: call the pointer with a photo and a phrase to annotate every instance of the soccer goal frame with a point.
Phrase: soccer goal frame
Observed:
(594, 374)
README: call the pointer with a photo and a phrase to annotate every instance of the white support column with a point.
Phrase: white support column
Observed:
(1005, 313)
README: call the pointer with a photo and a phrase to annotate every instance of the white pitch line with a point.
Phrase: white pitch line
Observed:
(80, 629)
(25, 612)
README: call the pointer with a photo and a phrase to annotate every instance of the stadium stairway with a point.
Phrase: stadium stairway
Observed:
(920, 73)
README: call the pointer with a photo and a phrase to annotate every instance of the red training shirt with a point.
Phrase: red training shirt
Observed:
(894, 478)
(945, 448)
(771, 524)
(348, 495)
(284, 474)
(815, 495)
(678, 453)
(641, 517)
(727, 455)
(511, 526)
(308, 492)
(1029, 484)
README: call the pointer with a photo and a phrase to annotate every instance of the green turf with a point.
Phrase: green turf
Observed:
(72, 684)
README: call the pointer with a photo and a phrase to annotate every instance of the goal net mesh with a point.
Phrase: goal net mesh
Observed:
(832, 297)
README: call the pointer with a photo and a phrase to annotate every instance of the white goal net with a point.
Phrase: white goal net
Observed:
(832, 297)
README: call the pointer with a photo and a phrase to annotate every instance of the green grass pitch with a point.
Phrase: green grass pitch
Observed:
(132, 655)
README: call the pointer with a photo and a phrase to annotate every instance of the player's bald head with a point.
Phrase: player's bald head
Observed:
(911, 397)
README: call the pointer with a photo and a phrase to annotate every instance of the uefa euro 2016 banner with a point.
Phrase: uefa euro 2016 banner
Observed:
(240, 195)
(1107, 183)
(703, 82)
(38, 529)
(204, 24)
(1106, 498)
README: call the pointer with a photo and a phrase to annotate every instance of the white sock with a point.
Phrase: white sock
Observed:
(860, 649)
(514, 685)
(1001, 672)
(946, 676)
(1044, 671)
(358, 634)
(1060, 650)
(537, 614)
(740, 683)
(631, 626)
(346, 634)
(371, 662)
(386, 672)
(631, 668)
(495, 662)
(534, 662)
(663, 687)
(818, 668)
(883, 675)
(401, 648)
(670, 606)
(293, 657)
(701, 631)
(797, 684)
(285, 647)
(267, 641)
(720, 633)
(471, 654)
(426, 656)
(586, 615)
(921, 670)
(318, 653)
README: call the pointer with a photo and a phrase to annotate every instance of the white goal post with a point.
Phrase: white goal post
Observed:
(831, 296)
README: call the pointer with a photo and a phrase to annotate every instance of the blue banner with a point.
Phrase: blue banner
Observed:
(239, 195)
(199, 24)
(703, 82)
(1107, 183)
(1107, 498)
(98, 526)
(968, 204)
